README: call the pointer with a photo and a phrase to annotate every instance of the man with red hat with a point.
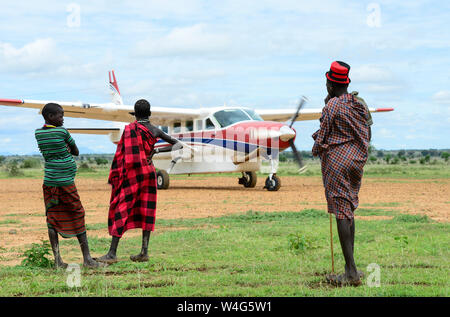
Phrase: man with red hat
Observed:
(342, 143)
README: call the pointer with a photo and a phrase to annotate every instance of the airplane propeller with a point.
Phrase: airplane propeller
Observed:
(297, 156)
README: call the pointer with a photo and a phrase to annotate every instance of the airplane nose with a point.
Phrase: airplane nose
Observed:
(286, 133)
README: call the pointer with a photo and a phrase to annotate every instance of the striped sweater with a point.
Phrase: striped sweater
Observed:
(60, 167)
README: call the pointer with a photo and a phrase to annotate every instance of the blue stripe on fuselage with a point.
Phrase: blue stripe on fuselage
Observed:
(228, 144)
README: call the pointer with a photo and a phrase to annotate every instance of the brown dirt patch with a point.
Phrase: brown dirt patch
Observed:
(22, 206)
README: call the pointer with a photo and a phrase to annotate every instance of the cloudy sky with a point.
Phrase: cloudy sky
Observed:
(260, 54)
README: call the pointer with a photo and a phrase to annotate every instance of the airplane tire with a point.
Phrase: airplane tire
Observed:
(273, 184)
(249, 179)
(162, 179)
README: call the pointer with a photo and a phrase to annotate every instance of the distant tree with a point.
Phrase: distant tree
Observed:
(372, 149)
(31, 163)
(445, 156)
(380, 154)
(372, 159)
(387, 158)
(13, 168)
(434, 152)
(101, 161)
(401, 153)
(411, 153)
(425, 152)
(2, 159)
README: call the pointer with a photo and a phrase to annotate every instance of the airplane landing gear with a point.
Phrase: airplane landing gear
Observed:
(162, 179)
(248, 179)
(273, 183)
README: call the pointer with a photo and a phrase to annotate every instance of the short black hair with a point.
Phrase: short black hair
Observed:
(51, 108)
(142, 108)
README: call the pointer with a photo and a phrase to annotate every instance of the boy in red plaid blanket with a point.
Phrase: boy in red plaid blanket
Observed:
(133, 181)
(342, 143)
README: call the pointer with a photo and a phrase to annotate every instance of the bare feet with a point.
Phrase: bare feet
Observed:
(60, 265)
(343, 280)
(92, 264)
(139, 258)
(107, 258)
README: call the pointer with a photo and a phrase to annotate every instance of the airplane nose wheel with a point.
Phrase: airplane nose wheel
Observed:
(162, 179)
(248, 179)
(273, 184)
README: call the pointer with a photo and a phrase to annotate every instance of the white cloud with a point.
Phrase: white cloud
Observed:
(442, 97)
(371, 74)
(182, 41)
(34, 56)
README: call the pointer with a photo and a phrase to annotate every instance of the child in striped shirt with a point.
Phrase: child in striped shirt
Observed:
(64, 211)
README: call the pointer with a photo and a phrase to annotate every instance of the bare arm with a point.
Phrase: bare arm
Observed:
(73, 149)
(175, 144)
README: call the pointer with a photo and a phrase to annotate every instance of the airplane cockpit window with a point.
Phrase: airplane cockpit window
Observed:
(209, 125)
(228, 117)
(253, 115)
(164, 128)
(189, 125)
(199, 124)
(176, 127)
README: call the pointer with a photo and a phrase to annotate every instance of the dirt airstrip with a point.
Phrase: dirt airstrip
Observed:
(22, 214)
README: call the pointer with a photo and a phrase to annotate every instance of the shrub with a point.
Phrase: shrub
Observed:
(36, 256)
(299, 243)
(31, 163)
(13, 168)
(101, 161)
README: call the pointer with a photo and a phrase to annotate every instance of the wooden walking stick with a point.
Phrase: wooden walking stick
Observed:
(331, 239)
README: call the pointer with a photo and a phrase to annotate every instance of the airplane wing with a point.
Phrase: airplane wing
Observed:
(107, 111)
(283, 115)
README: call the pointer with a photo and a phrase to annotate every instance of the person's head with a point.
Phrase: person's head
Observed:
(337, 78)
(141, 109)
(53, 114)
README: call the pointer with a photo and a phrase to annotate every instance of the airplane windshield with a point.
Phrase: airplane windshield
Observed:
(253, 115)
(230, 116)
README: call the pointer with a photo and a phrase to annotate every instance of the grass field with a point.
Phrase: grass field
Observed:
(257, 253)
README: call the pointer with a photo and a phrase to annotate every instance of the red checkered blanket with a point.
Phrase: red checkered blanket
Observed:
(133, 181)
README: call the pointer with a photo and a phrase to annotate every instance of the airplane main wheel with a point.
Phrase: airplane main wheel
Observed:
(273, 184)
(248, 179)
(162, 179)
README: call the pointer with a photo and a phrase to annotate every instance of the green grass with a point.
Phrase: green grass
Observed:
(254, 254)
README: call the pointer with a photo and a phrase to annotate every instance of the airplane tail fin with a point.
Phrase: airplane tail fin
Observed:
(115, 92)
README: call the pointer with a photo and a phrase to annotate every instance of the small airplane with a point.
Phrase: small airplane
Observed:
(215, 140)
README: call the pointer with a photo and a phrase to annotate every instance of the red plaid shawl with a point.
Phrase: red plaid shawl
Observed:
(133, 181)
(342, 143)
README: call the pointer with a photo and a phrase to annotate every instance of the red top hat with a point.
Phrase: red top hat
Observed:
(339, 72)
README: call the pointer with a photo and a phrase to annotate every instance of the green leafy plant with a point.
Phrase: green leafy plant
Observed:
(36, 256)
(299, 243)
